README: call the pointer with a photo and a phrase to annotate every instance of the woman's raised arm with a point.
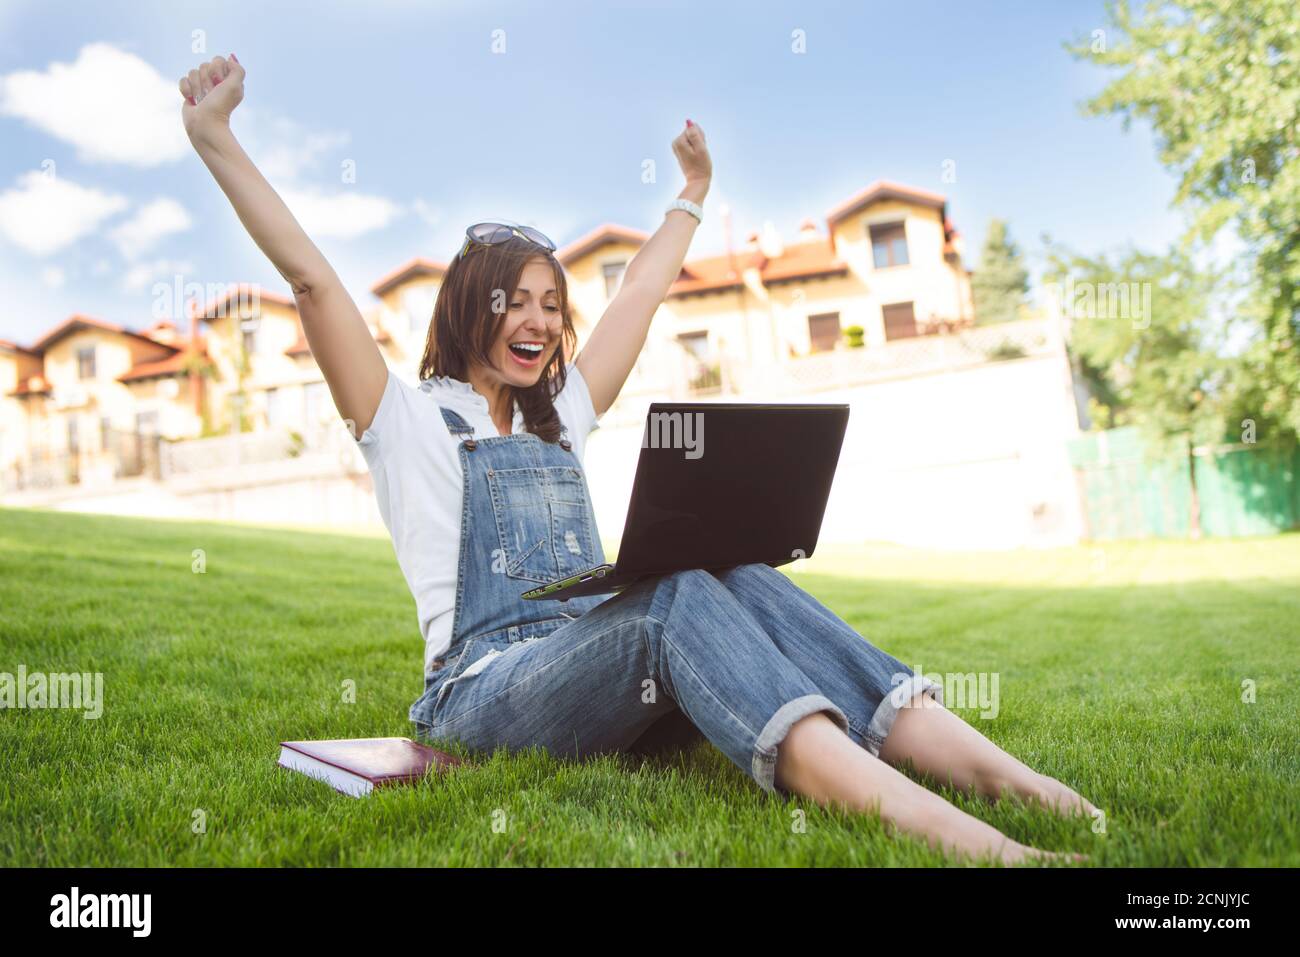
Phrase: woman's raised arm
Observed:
(613, 346)
(339, 339)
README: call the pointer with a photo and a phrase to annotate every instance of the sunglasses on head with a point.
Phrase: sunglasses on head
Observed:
(489, 234)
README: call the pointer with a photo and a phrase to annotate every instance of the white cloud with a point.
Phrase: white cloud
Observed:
(284, 151)
(282, 148)
(43, 214)
(110, 104)
(143, 275)
(339, 215)
(151, 222)
(433, 215)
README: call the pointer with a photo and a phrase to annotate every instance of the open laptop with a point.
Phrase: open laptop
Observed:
(720, 484)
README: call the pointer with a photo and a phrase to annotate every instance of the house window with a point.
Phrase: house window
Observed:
(74, 438)
(696, 343)
(277, 408)
(889, 245)
(86, 362)
(613, 277)
(249, 329)
(417, 303)
(824, 331)
(146, 423)
(105, 433)
(900, 321)
(315, 395)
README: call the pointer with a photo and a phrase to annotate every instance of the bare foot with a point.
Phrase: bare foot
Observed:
(1059, 798)
(1019, 853)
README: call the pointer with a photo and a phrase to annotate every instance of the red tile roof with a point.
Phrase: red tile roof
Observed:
(883, 189)
(805, 260)
(26, 387)
(78, 321)
(412, 268)
(602, 235)
(711, 274)
(169, 366)
(243, 293)
(8, 346)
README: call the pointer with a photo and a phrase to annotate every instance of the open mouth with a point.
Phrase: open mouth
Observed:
(527, 353)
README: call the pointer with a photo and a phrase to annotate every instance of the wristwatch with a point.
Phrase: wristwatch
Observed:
(695, 209)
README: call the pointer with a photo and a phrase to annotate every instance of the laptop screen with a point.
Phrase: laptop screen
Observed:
(721, 484)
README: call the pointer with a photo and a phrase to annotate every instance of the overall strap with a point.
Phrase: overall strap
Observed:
(455, 424)
(459, 428)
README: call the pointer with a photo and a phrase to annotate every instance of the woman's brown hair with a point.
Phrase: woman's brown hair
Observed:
(472, 303)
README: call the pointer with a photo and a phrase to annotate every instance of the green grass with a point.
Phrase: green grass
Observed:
(1120, 673)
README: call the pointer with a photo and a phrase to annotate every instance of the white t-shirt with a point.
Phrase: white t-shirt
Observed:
(415, 464)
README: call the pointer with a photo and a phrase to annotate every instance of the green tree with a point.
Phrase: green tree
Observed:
(1001, 281)
(1149, 334)
(1219, 81)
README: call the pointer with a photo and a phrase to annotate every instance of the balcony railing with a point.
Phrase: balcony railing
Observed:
(121, 455)
(844, 366)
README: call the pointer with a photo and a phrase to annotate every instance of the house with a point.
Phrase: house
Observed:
(20, 376)
(889, 262)
(94, 398)
(261, 364)
(85, 394)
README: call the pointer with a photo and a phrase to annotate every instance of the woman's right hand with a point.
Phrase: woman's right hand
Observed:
(211, 92)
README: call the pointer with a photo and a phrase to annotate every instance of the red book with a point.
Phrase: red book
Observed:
(359, 765)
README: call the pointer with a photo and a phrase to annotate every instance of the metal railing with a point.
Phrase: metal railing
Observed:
(845, 366)
(120, 455)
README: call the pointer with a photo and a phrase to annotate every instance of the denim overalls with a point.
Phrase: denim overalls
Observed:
(737, 656)
(526, 520)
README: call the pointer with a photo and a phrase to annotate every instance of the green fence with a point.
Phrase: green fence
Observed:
(1243, 490)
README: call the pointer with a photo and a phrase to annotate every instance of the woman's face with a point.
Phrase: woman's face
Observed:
(530, 330)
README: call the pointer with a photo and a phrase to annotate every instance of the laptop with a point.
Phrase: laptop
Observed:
(720, 484)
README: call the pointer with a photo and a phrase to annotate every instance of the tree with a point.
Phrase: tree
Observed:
(1219, 81)
(1150, 330)
(1001, 281)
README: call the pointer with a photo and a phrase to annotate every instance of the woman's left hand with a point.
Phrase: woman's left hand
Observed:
(692, 154)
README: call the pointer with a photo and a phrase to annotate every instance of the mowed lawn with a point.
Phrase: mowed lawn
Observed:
(1120, 671)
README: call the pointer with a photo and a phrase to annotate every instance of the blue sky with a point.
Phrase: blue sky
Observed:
(443, 132)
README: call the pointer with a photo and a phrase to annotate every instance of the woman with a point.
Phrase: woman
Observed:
(478, 476)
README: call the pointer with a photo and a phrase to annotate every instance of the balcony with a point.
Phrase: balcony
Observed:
(839, 368)
(844, 367)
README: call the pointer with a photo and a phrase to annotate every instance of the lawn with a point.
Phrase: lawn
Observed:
(1120, 672)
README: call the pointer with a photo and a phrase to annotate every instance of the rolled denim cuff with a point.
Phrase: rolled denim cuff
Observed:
(897, 699)
(779, 725)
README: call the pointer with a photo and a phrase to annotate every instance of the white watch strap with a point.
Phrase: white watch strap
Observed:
(693, 208)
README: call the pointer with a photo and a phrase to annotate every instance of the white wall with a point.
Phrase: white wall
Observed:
(966, 459)
(973, 458)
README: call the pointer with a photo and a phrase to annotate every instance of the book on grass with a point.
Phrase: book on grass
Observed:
(357, 766)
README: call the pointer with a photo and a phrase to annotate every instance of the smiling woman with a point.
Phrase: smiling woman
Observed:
(502, 323)
(478, 476)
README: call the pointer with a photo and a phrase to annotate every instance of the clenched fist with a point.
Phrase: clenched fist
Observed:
(692, 154)
(211, 92)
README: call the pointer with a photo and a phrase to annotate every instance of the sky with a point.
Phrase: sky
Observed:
(389, 126)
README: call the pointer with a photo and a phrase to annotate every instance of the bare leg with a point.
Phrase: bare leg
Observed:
(939, 743)
(820, 761)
